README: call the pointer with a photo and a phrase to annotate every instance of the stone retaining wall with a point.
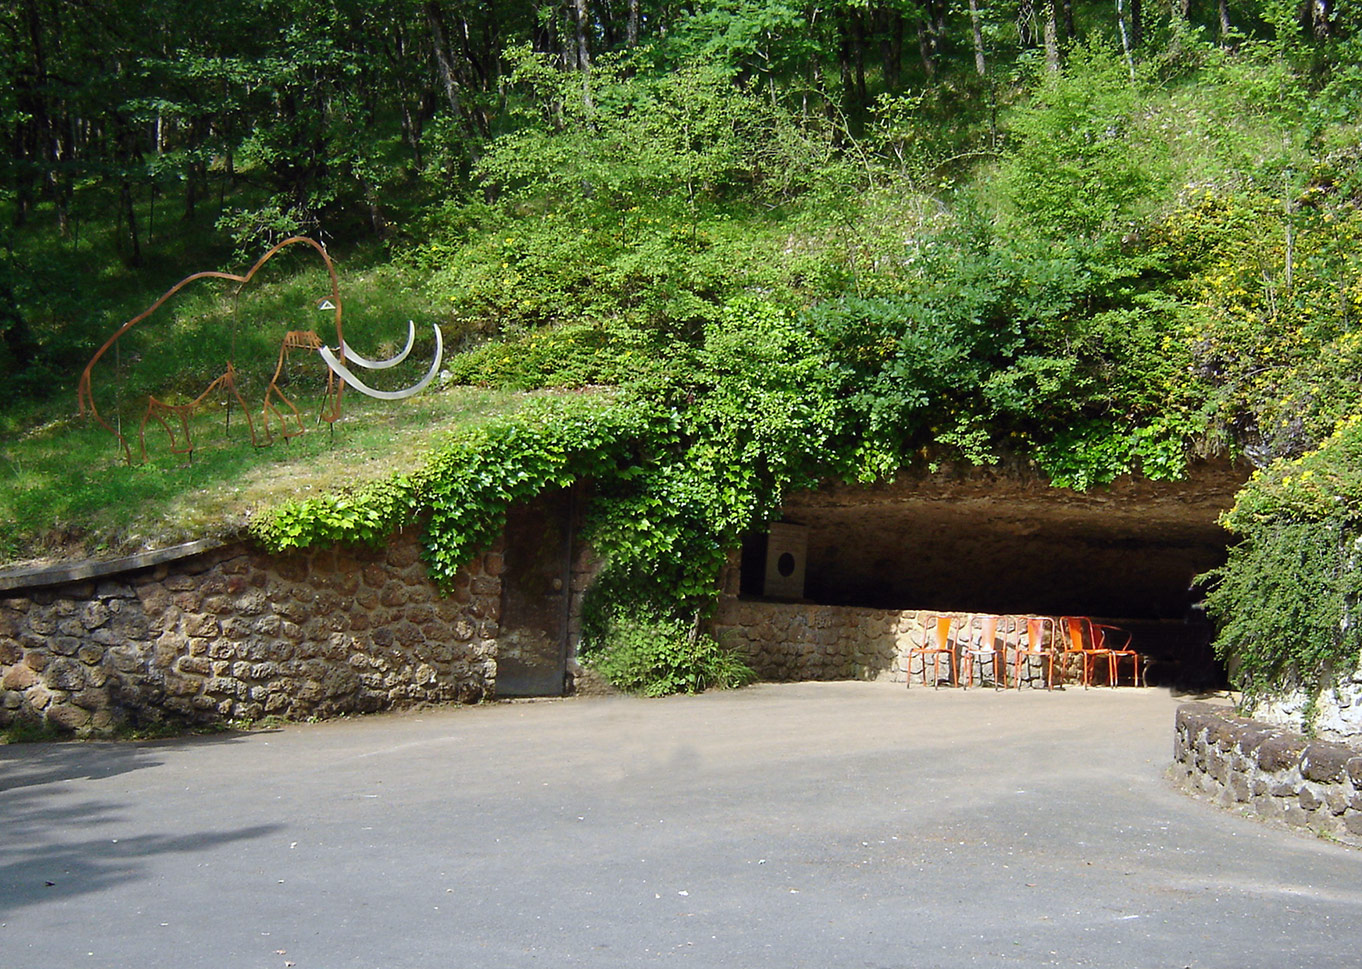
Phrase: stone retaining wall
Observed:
(1270, 771)
(798, 641)
(236, 634)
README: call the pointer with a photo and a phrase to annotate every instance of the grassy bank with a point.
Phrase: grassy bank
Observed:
(65, 490)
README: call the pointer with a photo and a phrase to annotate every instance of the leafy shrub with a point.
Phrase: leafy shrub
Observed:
(1290, 597)
(1082, 161)
(659, 657)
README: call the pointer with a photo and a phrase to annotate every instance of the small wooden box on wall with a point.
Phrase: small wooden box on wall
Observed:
(787, 549)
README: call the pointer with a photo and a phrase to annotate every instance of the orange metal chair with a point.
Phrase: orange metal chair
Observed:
(1080, 644)
(1033, 646)
(979, 642)
(1116, 642)
(1093, 641)
(936, 642)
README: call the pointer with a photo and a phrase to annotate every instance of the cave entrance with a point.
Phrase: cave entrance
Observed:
(1004, 541)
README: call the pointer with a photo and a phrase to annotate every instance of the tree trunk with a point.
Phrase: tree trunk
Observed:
(191, 194)
(581, 26)
(926, 45)
(440, 45)
(976, 31)
(1137, 23)
(1051, 37)
(891, 49)
(631, 27)
(1223, 9)
(581, 23)
(858, 30)
(1125, 37)
(844, 61)
(444, 64)
(1319, 19)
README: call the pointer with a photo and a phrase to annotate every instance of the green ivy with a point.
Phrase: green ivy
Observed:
(466, 484)
(364, 516)
(469, 484)
(1288, 601)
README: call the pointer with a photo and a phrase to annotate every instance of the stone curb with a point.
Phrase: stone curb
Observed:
(1269, 771)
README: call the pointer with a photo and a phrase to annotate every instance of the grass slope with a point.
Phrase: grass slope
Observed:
(65, 492)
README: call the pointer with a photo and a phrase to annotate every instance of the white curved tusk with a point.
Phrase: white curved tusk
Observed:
(343, 372)
(353, 357)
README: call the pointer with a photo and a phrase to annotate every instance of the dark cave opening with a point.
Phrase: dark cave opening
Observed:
(989, 541)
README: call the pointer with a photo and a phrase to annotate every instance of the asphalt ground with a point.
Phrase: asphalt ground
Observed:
(804, 825)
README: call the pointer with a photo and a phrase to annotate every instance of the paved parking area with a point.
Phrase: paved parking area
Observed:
(782, 826)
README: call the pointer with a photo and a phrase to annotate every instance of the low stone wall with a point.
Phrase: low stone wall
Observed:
(1333, 710)
(799, 641)
(235, 634)
(1270, 771)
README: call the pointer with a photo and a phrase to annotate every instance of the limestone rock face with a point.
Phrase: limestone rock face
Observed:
(1337, 710)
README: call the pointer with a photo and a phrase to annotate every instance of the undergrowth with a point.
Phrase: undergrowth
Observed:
(659, 657)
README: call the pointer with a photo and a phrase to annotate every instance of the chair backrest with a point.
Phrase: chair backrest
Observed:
(936, 631)
(1114, 637)
(987, 635)
(1035, 633)
(1084, 636)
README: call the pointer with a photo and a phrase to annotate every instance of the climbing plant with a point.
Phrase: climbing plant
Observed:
(1289, 599)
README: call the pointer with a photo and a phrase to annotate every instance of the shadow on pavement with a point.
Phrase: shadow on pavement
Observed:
(29, 765)
(32, 871)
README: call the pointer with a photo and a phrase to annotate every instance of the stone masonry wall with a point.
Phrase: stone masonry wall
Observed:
(236, 634)
(1270, 771)
(797, 641)
(804, 641)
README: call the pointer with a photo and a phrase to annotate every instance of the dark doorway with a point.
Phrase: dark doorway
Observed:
(532, 645)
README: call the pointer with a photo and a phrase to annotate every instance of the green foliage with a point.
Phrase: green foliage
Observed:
(1082, 162)
(1287, 601)
(362, 516)
(659, 657)
(570, 355)
(636, 202)
(465, 484)
(1290, 595)
(755, 413)
(1006, 343)
(469, 482)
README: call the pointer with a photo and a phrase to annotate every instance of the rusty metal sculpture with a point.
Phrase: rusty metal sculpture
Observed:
(291, 423)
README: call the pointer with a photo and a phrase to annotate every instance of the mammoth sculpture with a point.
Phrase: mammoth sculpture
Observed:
(339, 362)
